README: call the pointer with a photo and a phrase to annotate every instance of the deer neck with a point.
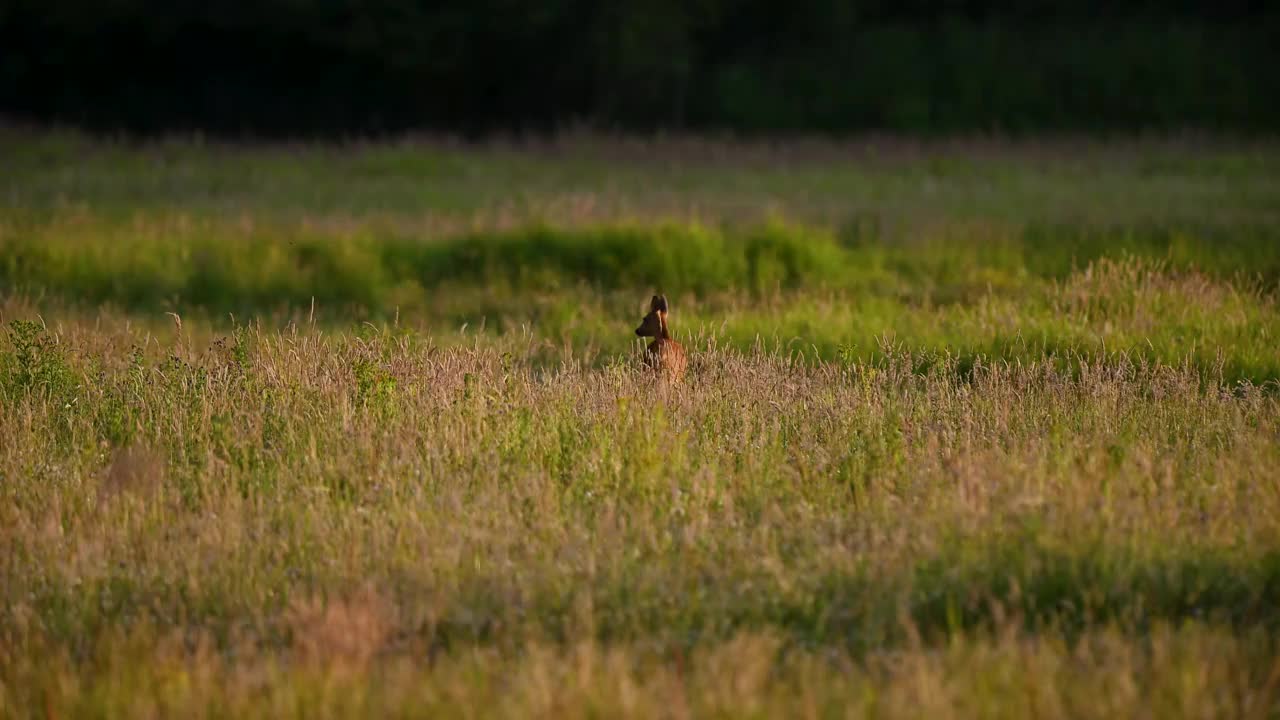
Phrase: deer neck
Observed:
(663, 333)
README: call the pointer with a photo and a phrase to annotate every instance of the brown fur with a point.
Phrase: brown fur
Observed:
(664, 355)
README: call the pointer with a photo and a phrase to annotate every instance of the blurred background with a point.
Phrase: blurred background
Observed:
(342, 67)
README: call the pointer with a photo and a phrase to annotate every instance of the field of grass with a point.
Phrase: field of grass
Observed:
(971, 429)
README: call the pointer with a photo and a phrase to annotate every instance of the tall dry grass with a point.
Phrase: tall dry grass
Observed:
(317, 523)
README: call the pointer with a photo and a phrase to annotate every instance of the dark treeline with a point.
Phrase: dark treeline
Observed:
(307, 67)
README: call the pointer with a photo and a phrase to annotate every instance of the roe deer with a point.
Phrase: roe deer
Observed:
(664, 354)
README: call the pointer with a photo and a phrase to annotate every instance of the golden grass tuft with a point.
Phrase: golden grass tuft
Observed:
(135, 470)
(341, 636)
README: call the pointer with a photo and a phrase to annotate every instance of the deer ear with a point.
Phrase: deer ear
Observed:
(659, 303)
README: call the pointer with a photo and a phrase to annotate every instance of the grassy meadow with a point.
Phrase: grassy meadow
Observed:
(972, 428)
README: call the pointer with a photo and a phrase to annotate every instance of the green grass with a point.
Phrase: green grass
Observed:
(427, 185)
(1007, 459)
(1160, 295)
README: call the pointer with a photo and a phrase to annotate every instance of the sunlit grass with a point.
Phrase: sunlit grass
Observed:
(494, 505)
(268, 449)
